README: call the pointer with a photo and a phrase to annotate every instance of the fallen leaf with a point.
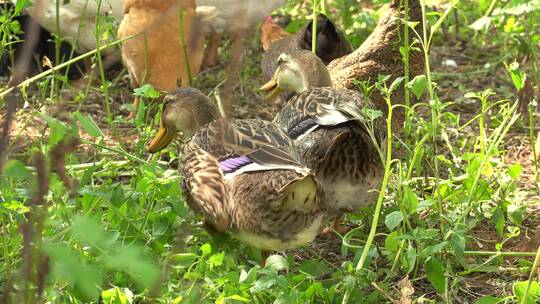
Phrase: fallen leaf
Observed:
(406, 290)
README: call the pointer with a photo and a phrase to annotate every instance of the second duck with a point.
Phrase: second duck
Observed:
(334, 130)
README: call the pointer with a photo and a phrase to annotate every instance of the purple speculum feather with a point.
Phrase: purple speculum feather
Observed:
(232, 164)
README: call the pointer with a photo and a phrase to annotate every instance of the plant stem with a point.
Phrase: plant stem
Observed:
(104, 82)
(57, 43)
(314, 28)
(531, 274)
(406, 74)
(380, 198)
(500, 253)
(62, 65)
(184, 45)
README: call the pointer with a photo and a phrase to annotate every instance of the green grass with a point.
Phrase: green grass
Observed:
(451, 221)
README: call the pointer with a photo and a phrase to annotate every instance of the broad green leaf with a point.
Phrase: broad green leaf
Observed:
(206, 249)
(216, 259)
(183, 259)
(58, 129)
(89, 125)
(488, 300)
(435, 274)
(412, 24)
(15, 169)
(86, 279)
(117, 296)
(131, 260)
(514, 171)
(395, 84)
(141, 114)
(15, 206)
(457, 241)
(117, 196)
(497, 218)
(146, 90)
(410, 200)
(237, 298)
(314, 289)
(534, 292)
(20, 5)
(277, 262)
(418, 85)
(391, 244)
(518, 77)
(88, 230)
(430, 250)
(314, 268)
(263, 283)
(515, 213)
(349, 282)
(285, 299)
(393, 219)
(87, 176)
(193, 276)
(410, 258)
(248, 277)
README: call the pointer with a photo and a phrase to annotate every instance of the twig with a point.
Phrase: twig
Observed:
(63, 65)
(21, 69)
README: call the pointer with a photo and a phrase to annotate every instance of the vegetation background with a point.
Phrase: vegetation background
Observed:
(86, 215)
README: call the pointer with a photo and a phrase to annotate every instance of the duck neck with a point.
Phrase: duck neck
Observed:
(317, 79)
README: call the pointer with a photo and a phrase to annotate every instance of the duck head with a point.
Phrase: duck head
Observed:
(185, 111)
(297, 71)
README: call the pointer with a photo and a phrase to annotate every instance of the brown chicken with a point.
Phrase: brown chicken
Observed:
(158, 55)
(271, 32)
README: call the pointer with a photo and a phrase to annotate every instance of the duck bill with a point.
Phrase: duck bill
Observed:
(162, 139)
(271, 87)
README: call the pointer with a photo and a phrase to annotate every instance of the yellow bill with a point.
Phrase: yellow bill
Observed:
(162, 139)
(271, 87)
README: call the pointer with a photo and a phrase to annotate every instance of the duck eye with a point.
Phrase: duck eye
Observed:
(281, 59)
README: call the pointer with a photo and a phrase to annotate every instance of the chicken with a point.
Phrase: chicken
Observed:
(231, 16)
(158, 55)
(379, 55)
(271, 32)
(77, 20)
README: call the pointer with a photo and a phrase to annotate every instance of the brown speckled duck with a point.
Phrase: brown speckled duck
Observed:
(244, 176)
(332, 131)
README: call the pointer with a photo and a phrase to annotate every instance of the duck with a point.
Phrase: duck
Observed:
(330, 42)
(332, 131)
(160, 55)
(245, 176)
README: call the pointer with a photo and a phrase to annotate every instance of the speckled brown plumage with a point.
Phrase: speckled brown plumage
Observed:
(343, 155)
(254, 203)
(339, 134)
(379, 54)
(244, 176)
